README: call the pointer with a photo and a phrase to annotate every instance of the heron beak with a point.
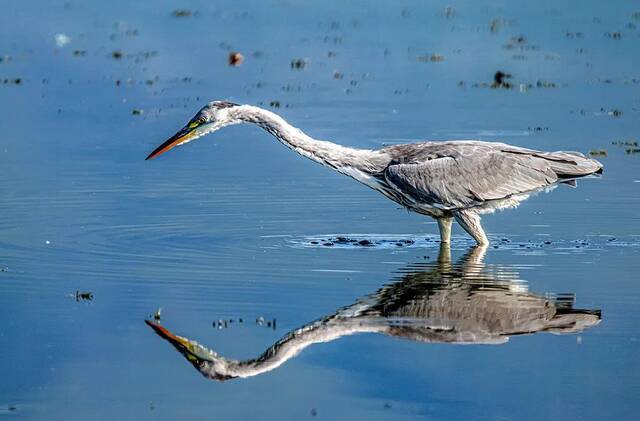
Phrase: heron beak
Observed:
(184, 135)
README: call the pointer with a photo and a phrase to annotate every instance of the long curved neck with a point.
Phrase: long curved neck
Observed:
(324, 330)
(326, 153)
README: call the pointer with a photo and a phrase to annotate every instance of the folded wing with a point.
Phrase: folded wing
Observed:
(456, 175)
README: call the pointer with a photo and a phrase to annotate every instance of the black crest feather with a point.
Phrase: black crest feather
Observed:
(224, 104)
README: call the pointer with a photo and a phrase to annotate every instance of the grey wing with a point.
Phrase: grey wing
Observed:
(459, 177)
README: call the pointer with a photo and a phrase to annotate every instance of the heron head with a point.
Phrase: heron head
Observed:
(206, 361)
(210, 118)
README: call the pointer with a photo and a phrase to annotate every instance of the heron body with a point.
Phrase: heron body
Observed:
(446, 180)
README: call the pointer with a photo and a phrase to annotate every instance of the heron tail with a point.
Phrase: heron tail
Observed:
(571, 164)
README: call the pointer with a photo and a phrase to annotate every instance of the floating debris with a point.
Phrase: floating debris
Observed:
(235, 59)
(299, 63)
(260, 321)
(499, 80)
(449, 12)
(624, 143)
(143, 55)
(62, 40)
(137, 111)
(545, 84)
(226, 323)
(573, 35)
(12, 81)
(182, 13)
(519, 43)
(432, 58)
(336, 40)
(498, 23)
(117, 54)
(346, 241)
(274, 104)
(157, 316)
(292, 88)
(83, 296)
(613, 113)
(598, 152)
(79, 53)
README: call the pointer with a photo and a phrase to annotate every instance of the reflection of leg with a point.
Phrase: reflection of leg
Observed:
(444, 254)
(472, 261)
(475, 256)
(444, 224)
(470, 221)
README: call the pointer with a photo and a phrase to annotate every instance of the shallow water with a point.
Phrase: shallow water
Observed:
(224, 228)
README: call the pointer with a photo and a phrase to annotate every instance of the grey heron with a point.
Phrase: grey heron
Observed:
(460, 303)
(444, 180)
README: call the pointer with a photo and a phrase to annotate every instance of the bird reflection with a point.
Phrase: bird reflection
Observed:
(459, 303)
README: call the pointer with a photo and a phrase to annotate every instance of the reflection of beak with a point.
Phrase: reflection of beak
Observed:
(193, 352)
(176, 341)
(206, 361)
(182, 136)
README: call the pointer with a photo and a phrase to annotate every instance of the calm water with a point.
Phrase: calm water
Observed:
(224, 229)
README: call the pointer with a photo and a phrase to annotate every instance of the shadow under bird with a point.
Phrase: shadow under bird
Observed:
(461, 303)
(445, 180)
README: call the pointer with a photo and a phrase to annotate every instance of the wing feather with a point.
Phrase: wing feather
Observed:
(455, 176)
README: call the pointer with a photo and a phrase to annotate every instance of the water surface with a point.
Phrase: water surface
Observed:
(222, 228)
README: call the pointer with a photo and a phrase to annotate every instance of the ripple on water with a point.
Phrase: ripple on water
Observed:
(431, 241)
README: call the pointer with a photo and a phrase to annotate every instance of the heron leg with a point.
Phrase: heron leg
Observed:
(470, 221)
(444, 224)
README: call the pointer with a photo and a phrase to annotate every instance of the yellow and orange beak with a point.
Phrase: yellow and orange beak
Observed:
(186, 134)
(193, 352)
(164, 333)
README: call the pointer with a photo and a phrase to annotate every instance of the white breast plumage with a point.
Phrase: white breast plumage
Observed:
(362, 177)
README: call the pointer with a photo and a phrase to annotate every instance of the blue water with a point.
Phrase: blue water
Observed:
(221, 228)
